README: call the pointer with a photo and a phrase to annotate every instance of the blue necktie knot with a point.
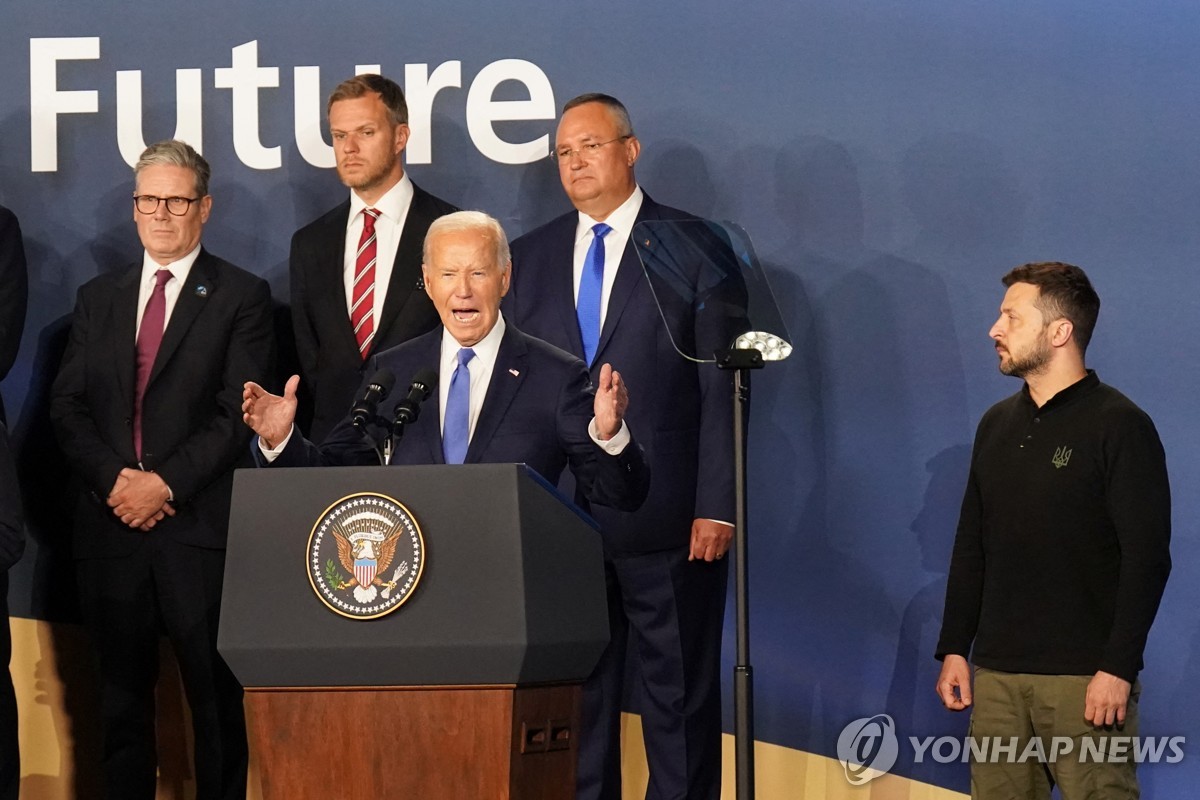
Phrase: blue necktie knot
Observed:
(591, 291)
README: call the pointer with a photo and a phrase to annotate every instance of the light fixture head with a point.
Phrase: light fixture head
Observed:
(771, 346)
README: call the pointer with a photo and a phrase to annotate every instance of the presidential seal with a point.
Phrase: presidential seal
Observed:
(365, 556)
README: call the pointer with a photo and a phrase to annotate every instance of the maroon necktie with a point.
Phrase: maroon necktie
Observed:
(362, 299)
(149, 338)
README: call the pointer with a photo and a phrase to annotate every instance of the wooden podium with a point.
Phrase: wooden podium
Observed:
(469, 689)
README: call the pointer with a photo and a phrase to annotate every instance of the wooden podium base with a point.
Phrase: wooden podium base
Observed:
(474, 743)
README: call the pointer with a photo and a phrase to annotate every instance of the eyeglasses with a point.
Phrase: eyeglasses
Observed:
(148, 204)
(584, 151)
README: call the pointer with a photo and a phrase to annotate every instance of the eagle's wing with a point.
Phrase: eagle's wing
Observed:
(387, 549)
(345, 551)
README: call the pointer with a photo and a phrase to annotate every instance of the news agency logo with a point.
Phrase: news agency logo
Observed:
(868, 748)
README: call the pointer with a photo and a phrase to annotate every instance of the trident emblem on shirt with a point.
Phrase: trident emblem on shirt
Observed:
(1061, 456)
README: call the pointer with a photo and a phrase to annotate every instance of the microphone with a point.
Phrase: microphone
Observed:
(377, 391)
(423, 384)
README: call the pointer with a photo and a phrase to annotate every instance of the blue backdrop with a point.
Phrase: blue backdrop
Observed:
(891, 161)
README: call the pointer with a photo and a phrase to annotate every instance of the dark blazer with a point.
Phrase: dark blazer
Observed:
(682, 412)
(329, 358)
(219, 336)
(12, 528)
(14, 292)
(536, 412)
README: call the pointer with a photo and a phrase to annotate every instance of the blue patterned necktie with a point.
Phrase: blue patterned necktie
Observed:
(591, 288)
(456, 430)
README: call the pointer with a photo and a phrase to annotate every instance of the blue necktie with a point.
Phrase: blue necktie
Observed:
(456, 430)
(591, 287)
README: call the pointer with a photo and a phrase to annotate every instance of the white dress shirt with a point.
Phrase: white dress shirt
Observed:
(621, 221)
(393, 211)
(179, 273)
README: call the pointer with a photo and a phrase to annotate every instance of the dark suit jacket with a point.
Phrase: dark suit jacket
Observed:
(682, 412)
(12, 529)
(329, 358)
(536, 412)
(14, 292)
(219, 336)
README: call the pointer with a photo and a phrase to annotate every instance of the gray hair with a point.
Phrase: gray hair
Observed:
(464, 221)
(615, 107)
(174, 153)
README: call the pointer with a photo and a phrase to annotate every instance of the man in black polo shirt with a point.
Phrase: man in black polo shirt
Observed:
(1061, 554)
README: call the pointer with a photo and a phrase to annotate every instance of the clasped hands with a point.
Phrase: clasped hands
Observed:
(140, 499)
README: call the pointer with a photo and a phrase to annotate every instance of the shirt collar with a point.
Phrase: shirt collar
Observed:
(486, 349)
(179, 269)
(621, 220)
(392, 205)
(1077, 389)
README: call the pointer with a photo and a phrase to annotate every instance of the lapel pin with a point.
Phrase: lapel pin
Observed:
(201, 290)
(514, 373)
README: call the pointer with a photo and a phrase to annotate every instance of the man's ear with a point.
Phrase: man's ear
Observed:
(1063, 330)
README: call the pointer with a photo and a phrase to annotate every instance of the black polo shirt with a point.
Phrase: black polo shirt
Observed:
(1061, 554)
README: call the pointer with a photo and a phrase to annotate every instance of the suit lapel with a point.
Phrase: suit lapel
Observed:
(193, 296)
(327, 277)
(507, 376)
(630, 275)
(406, 269)
(562, 284)
(433, 406)
(124, 314)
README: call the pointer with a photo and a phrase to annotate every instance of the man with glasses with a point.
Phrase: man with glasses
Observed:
(147, 407)
(578, 284)
(356, 271)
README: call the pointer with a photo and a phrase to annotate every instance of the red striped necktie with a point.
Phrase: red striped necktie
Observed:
(362, 299)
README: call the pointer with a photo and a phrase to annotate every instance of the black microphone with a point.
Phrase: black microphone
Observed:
(423, 384)
(377, 391)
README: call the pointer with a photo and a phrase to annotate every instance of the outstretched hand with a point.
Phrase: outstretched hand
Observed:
(612, 399)
(269, 415)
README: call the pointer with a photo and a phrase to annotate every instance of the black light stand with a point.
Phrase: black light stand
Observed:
(741, 361)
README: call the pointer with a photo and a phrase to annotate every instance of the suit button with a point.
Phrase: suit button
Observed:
(128, 421)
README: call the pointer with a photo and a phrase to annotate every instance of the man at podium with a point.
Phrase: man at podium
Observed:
(502, 396)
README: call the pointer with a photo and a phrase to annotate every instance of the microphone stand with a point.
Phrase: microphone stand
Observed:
(383, 454)
(395, 434)
(406, 413)
(741, 361)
